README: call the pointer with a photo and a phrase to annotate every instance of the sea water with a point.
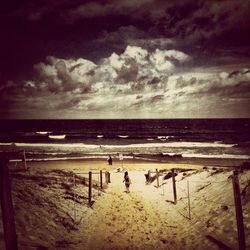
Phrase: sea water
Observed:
(78, 139)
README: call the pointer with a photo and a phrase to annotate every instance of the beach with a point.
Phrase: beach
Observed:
(52, 211)
(125, 125)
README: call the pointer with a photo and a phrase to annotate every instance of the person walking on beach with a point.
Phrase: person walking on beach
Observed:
(148, 177)
(110, 160)
(127, 181)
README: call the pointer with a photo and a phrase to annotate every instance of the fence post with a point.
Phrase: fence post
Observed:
(90, 187)
(157, 176)
(189, 208)
(24, 160)
(107, 176)
(7, 207)
(101, 179)
(174, 186)
(238, 210)
(74, 179)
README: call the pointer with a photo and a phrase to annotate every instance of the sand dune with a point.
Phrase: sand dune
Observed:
(53, 213)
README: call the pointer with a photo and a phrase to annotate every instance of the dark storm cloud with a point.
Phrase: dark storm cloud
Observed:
(31, 30)
(128, 72)
(205, 19)
(119, 38)
(61, 75)
(166, 16)
(123, 50)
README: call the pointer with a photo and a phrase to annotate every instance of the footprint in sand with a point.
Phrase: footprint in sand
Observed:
(117, 208)
(109, 240)
(183, 241)
(164, 241)
(121, 230)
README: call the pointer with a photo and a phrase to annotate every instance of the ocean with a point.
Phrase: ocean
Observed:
(80, 139)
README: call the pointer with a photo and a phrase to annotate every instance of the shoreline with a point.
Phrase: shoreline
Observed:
(133, 163)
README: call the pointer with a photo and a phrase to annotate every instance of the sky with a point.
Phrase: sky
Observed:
(72, 59)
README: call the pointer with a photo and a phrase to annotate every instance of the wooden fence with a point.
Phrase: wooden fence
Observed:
(237, 202)
(8, 218)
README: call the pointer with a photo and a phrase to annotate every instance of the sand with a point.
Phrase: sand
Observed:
(50, 214)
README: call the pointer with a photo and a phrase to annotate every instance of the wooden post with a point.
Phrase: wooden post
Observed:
(157, 176)
(106, 177)
(238, 210)
(24, 160)
(90, 187)
(74, 179)
(174, 186)
(189, 208)
(149, 176)
(7, 207)
(101, 179)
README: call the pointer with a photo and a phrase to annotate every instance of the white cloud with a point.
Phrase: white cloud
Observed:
(176, 55)
(115, 61)
(45, 70)
(141, 68)
(223, 75)
(139, 54)
(165, 59)
(160, 62)
(137, 81)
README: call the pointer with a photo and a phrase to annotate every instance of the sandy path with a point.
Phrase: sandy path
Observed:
(141, 219)
(136, 220)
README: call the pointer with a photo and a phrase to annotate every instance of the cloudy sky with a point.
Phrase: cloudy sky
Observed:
(125, 59)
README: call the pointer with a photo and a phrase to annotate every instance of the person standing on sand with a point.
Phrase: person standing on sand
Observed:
(110, 160)
(127, 181)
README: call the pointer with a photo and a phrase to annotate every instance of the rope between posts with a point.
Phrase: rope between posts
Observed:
(210, 197)
(209, 181)
(205, 199)
(199, 219)
(183, 190)
(207, 224)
